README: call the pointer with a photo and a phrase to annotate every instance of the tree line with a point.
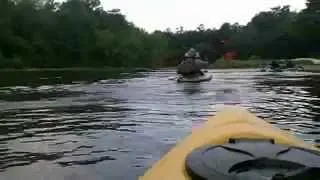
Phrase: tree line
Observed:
(80, 33)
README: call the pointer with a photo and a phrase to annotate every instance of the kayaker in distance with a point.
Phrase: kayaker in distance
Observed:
(191, 64)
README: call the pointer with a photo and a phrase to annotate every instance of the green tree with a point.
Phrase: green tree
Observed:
(45, 33)
(313, 5)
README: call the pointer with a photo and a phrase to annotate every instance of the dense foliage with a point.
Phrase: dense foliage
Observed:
(75, 33)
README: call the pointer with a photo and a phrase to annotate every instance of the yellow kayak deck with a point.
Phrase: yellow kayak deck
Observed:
(233, 122)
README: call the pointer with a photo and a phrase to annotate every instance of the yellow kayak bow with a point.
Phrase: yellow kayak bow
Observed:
(201, 154)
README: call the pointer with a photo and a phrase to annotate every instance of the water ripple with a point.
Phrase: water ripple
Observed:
(115, 128)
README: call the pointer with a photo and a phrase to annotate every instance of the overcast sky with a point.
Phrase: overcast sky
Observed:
(161, 14)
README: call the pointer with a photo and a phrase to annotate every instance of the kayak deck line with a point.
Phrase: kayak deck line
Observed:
(231, 122)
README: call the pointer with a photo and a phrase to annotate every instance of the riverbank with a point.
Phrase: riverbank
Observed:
(219, 64)
(308, 64)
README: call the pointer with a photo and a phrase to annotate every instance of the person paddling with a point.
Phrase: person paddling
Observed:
(191, 64)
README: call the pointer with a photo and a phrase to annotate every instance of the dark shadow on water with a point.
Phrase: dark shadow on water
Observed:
(51, 85)
(37, 78)
(34, 95)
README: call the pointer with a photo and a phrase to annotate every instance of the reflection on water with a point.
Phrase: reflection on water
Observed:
(192, 88)
(114, 125)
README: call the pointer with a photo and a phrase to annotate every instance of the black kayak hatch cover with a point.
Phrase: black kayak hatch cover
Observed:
(253, 160)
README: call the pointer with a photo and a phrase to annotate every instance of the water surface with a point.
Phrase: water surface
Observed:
(114, 125)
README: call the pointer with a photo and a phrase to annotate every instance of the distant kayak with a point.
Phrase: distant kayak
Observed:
(201, 78)
(234, 145)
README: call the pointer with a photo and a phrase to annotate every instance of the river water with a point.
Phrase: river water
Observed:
(76, 125)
